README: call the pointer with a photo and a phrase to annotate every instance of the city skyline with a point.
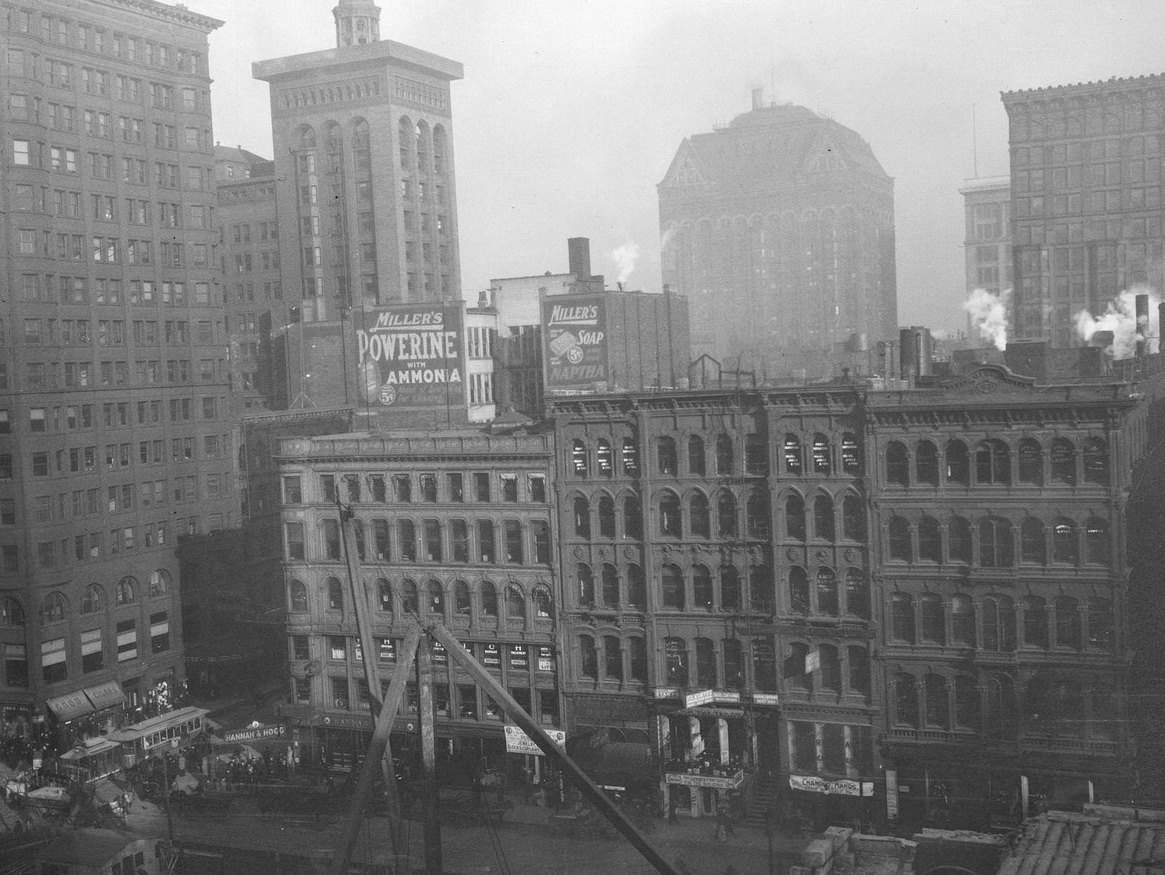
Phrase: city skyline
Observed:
(604, 80)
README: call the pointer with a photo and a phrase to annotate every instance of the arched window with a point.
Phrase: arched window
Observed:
(726, 514)
(1064, 541)
(960, 539)
(1096, 462)
(462, 604)
(701, 587)
(1031, 462)
(52, 608)
(793, 669)
(407, 540)
(384, 596)
(756, 457)
(823, 522)
(515, 603)
(93, 600)
(1096, 541)
(900, 541)
(582, 517)
(962, 620)
(967, 702)
(857, 594)
(859, 669)
(630, 457)
(930, 545)
(1063, 462)
(307, 137)
(992, 462)
(827, 595)
(905, 700)
(410, 600)
(588, 658)
(897, 464)
(999, 720)
(791, 453)
(696, 465)
(830, 668)
(612, 658)
(636, 588)
(676, 661)
(297, 592)
(938, 706)
(795, 517)
(926, 463)
(127, 591)
(729, 588)
(586, 586)
(798, 590)
(822, 455)
(489, 599)
(673, 587)
(851, 458)
(723, 454)
(670, 518)
(543, 604)
(902, 617)
(760, 589)
(995, 543)
(335, 592)
(159, 583)
(958, 464)
(1100, 624)
(1032, 543)
(665, 454)
(853, 518)
(578, 458)
(606, 516)
(705, 663)
(610, 586)
(1069, 628)
(757, 512)
(632, 517)
(435, 598)
(934, 622)
(700, 519)
(1035, 622)
(604, 458)
(999, 624)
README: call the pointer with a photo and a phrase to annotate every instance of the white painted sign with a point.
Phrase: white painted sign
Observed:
(518, 741)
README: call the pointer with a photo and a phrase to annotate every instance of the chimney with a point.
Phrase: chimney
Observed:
(579, 253)
(1142, 311)
(758, 98)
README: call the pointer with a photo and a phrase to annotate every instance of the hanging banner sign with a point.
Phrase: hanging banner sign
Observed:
(518, 741)
(842, 787)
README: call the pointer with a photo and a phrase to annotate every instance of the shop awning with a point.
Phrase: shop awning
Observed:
(106, 695)
(70, 706)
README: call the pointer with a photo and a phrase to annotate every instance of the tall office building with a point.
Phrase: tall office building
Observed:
(364, 170)
(779, 230)
(1086, 199)
(114, 420)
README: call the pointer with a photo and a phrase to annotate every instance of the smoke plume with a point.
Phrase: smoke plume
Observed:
(1120, 317)
(625, 257)
(989, 315)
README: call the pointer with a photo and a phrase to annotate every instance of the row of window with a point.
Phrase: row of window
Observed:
(54, 607)
(458, 598)
(998, 463)
(103, 165)
(991, 541)
(826, 667)
(63, 289)
(1057, 704)
(90, 645)
(427, 488)
(992, 623)
(430, 540)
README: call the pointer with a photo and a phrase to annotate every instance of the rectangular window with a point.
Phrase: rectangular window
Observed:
(481, 486)
(127, 640)
(295, 543)
(52, 660)
(92, 651)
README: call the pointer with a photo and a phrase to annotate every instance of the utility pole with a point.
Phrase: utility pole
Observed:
(427, 715)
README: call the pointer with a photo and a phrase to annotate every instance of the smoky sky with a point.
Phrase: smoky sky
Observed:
(571, 110)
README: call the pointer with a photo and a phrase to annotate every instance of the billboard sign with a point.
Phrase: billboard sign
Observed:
(518, 741)
(412, 355)
(574, 328)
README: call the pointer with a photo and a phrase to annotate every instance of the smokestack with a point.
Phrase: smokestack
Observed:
(1142, 311)
(758, 98)
(579, 252)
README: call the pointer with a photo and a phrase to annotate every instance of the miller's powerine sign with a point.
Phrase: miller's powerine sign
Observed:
(412, 355)
(574, 328)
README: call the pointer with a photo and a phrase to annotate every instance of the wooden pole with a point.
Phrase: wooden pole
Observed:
(433, 863)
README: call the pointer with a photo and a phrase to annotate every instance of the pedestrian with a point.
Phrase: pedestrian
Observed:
(671, 808)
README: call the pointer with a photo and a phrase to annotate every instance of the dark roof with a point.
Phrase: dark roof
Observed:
(1103, 840)
(89, 847)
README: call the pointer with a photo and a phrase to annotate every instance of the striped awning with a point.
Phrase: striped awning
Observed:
(106, 695)
(70, 706)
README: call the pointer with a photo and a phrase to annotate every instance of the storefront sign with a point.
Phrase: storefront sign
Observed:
(518, 741)
(766, 699)
(703, 697)
(892, 794)
(842, 787)
(255, 733)
(718, 782)
(346, 721)
(665, 693)
(491, 656)
(518, 657)
(545, 659)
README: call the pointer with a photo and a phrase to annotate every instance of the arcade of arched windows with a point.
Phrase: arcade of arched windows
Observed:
(821, 516)
(605, 516)
(825, 592)
(687, 662)
(457, 601)
(694, 514)
(691, 586)
(1042, 703)
(1000, 623)
(994, 462)
(998, 542)
(843, 670)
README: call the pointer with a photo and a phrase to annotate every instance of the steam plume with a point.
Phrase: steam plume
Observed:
(1120, 317)
(625, 257)
(989, 315)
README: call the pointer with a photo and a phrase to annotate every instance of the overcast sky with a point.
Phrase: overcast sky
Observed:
(571, 110)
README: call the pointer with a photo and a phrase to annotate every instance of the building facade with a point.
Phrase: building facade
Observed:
(455, 529)
(114, 392)
(1086, 199)
(987, 240)
(787, 217)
